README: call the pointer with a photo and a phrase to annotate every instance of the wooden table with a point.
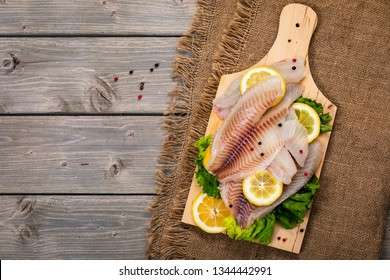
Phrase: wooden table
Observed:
(83, 88)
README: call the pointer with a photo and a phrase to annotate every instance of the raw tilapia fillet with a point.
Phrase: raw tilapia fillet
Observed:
(232, 195)
(290, 74)
(252, 157)
(223, 104)
(263, 141)
(240, 122)
(297, 145)
(283, 167)
(246, 213)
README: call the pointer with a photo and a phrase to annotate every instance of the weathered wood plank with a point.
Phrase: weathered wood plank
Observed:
(73, 227)
(108, 154)
(102, 17)
(80, 227)
(77, 75)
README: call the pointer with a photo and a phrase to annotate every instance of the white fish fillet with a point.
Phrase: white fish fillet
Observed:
(297, 145)
(279, 112)
(248, 212)
(223, 104)
(290, 74)
(255, 136)
(240, 122)
(283, 166)
(252, 157)
(265, 138)
(232, 195)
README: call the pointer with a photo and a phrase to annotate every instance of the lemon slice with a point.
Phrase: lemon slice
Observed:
(207, 155)
(262, 188)
(256, 74)
(208, 213)
(309, 119)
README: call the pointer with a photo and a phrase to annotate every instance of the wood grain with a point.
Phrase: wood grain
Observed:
(80, 227)
(79, 154)
(73, 227)
(77, 75)
(95, 17)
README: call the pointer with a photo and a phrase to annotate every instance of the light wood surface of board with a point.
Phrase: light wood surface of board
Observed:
(296, 26)
(80, 214)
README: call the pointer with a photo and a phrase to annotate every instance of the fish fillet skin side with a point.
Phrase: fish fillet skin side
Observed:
(259, 146)
(248, 111)
(224, 103)
(283, 167)
(248, 212)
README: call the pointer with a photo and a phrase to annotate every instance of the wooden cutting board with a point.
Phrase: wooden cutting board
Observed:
(296, 26)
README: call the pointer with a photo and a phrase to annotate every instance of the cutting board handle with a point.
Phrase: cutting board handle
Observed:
(296, 26)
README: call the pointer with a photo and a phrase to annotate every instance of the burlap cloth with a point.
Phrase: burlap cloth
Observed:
(349, 56)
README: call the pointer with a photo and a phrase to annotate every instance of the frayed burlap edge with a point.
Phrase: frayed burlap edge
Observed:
(228, 56)
(173, 163)
(167, 238)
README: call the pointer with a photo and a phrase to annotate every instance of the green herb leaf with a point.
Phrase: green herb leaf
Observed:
(291, 212)
(325, 128)
(325, 118)
(207, 181)
(316, 106)
(260, 231)
(202, 144)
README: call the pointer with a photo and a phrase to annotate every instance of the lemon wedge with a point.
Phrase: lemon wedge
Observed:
(207, 155)
(309, 119)
(208, 213)
(256, 74)
(262, 188)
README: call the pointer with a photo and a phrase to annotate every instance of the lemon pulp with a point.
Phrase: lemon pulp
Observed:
(309, 119)
(262, 188)
(208, 213)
